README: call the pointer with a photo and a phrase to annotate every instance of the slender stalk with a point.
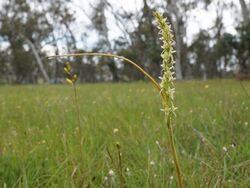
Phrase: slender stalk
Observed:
(118, 57)
(244, 89)
(174, 153)
(167, 85)
(122, 179)
(164, 100)
(77, 107)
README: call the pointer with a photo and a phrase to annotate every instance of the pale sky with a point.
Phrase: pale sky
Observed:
(197, 19)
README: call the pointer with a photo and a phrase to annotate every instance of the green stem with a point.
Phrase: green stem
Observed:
(164, 99)
(174, 153)
(244, 89)
(77, 107)
(122, 179)
(118, 57)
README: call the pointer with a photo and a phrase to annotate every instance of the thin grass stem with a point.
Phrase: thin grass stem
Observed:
(164, 99)
(77, 107)
(118, 57)
(174, 153)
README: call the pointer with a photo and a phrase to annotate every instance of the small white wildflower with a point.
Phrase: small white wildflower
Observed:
(157, 142)
(233, 145)
(115, 130)
(111, 173)
(152, 163)
(246, 123)
(171, 177)
(106, 178)
(127, 171)
(43, 141)
(224, 149)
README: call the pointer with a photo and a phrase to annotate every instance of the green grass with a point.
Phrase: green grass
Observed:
(41, 145)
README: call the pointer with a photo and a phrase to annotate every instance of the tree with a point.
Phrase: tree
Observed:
(243, 46)
(19, 31)
(142, 45)
(26, 29)
(245, 12)
(99, 21)
(176, 17)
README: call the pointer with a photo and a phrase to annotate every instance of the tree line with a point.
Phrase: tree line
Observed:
(26, 27)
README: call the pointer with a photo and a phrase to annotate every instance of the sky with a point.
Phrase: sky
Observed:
(198, 19)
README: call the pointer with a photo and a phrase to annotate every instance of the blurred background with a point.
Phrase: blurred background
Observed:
(212, 39)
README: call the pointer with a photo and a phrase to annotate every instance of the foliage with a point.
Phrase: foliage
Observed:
(41, 147)
(22, 25)
(32, 28)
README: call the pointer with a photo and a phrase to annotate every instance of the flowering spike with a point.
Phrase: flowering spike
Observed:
(69, 81)
(66, 70)
(67, 66)
(167, 87)
(71, 78)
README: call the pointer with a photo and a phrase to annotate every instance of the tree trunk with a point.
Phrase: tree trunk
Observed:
(178, 68)
(245, 12)
(178, 30)
(38, 59)
(246, 21)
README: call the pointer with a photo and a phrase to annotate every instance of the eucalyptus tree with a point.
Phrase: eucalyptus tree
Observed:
(243, 46)
(22, 30)
(245, 10)
(26, 26)
(98, 18)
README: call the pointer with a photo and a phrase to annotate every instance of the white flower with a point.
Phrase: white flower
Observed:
(115, 130)
(111, 173)
(152, 163)
(224, 149)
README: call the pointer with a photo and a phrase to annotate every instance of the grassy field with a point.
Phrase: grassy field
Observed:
(42, 145)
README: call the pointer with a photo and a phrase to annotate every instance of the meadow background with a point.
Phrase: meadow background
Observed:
(41, 144)
(122, 134)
